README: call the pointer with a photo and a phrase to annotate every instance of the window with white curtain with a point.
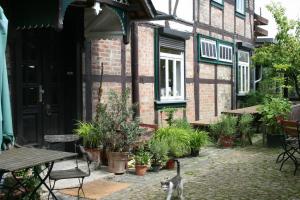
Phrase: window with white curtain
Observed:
(208, 48)
(243, 72)
(225, 53)
(240, 6)
(171, 76)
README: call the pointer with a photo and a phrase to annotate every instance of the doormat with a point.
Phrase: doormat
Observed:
(97, 189)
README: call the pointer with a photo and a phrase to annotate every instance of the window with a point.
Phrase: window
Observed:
(240, 6)
(243, 72)
(171, 76)
(218, 1)
(208, 48)
(225, 53)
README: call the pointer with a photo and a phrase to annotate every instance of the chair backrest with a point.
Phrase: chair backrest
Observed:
(290, 128)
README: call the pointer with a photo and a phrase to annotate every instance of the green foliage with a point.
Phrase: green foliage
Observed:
(245, 124)
(159, 150)
(198, 139)
(170, 115)
(282, 59)
(121, 128)
(182, 123)
(89, 134)
(142, 157)
(273, 108)
(225, 127)
(177, 138)
(252, 99)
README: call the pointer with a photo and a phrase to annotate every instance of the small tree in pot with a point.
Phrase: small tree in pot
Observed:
(225, 130)
(142, 159)
(197, 140)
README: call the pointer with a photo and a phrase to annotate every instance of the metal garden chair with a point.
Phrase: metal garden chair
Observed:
(290, 143)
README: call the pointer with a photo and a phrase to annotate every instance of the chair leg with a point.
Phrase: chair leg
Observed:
(51, 187)
(80, 187)
(280, 157)
(289, 155)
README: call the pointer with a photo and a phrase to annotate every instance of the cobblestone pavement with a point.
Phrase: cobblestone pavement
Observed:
(238, 173)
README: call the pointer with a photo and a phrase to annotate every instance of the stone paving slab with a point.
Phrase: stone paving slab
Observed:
(221, 174)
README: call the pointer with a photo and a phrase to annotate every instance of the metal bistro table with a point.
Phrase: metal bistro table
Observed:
(24, 158)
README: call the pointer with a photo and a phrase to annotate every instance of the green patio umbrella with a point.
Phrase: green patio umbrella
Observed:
(6, 129)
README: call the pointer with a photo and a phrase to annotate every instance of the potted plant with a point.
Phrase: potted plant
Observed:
(178, 140)
(142, 159)
(225, 129)
(245, 127)
(159, 150)
(272, 109)
(197, 140)
(91, 138)
(119, 128)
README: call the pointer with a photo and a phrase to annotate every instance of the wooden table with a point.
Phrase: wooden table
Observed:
(205, 122)
(25, 158)
(252, 110)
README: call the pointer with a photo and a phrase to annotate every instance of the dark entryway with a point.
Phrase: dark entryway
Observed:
(48, 80)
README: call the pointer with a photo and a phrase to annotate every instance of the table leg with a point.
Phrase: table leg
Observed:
(43, 180)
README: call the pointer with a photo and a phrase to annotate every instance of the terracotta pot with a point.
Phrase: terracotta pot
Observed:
(117, 162)
(170, 164)
(141, 170)
(95, 152)
(226, 141)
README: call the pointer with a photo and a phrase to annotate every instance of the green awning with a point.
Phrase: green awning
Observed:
(6, 129)
(112, 22)
(27, 14)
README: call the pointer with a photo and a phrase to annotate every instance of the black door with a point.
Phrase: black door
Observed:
(41, 91)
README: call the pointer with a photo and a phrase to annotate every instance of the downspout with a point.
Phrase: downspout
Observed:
(260, 78)
(234, 76)
(135, 68)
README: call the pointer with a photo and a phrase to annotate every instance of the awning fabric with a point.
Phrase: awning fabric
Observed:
(111, 23)
(38, 14)
(6, 128)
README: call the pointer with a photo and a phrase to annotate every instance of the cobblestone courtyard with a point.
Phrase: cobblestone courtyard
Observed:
(239, 173)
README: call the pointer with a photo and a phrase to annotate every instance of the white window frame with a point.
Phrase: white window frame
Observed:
(219, 52)
(174, 58)
(212, 42)
(218, 1)
(244, 68)
(240, 6)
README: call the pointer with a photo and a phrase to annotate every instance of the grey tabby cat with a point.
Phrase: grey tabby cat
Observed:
(174, 184)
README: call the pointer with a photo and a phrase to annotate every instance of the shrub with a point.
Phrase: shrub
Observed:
(198, 139)
(177, 138)
(159, 150)
(245, 126)
(225, 127)
(142, 157)
(88, 133)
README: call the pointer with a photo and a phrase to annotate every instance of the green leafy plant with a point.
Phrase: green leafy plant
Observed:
(142, 157)
(170, 115)
(198, 139)
(182, 123)
(245, 126)
(225, 127)
(159, 150)
(177, 138)
(272, 109)
(87, 131)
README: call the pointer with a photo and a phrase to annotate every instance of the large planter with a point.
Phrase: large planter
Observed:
(274, 140)
(226, 141)
(141, 170)
(95, 152)
(117, 162)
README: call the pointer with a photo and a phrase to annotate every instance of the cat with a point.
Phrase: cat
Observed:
(173, 184)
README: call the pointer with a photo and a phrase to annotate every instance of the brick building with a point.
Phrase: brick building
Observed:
(191, 54)
(194, 55)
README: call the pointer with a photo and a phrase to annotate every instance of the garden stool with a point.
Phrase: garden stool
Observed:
(290, 142)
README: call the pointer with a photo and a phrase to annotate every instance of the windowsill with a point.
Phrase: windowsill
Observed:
(217, 5)
(213, 61)
(170, 104)
(240, 15)
(242, 94)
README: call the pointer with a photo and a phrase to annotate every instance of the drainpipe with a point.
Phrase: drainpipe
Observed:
(234, 77)
(260, 78)
(135, 68)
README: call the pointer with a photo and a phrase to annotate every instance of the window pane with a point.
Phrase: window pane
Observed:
(162, 78)
(239, 79)
(247, 79)
(243, 79)
(219, 1)
(171, 78)
(178, 78)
